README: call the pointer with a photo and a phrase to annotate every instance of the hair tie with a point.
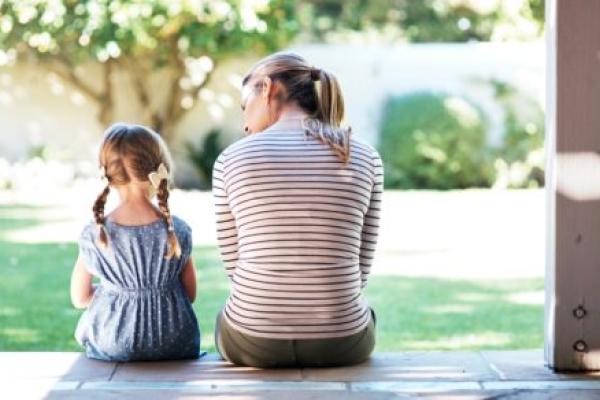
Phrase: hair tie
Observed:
(315, 74)
(157, 176)
(103, 176)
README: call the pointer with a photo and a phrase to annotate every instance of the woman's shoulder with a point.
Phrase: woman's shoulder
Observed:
(265, 137)
(365, 148)
(231, 148)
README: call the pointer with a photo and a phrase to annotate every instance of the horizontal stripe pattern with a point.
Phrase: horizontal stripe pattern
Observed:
(297, 231)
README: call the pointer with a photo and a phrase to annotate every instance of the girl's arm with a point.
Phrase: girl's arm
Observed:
(188, 279)
(81, 285)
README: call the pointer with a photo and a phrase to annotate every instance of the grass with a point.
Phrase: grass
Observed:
(413, 313)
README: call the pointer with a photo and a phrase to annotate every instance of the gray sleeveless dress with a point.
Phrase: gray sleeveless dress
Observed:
(139, 310)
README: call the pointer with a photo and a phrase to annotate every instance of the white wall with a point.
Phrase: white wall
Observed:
(36, 107)
(369, 74)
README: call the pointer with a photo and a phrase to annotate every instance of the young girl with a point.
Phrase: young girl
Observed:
(141, 309)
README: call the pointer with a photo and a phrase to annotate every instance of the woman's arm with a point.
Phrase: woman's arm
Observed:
(188, 279)
(227, 234)
(82, 289)
(370, 230)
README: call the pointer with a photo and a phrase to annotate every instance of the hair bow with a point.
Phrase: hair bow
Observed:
(157, 176)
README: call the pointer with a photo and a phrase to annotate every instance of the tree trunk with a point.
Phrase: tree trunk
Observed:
(106, 112)
(163, 121)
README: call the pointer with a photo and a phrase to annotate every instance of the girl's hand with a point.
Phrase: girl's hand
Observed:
(188, 279)
(82, 289)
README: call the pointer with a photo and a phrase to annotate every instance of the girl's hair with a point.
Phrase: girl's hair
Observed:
(131, 152)
(323, 101)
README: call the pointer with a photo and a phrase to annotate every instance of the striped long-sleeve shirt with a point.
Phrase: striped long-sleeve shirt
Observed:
(297, 231)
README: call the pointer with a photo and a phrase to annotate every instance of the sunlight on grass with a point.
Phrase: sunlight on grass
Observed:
(413, 313)
(450, 308)
(534, 297)
(21, 335)
(8, 312)
(474, 297)
(484, 339)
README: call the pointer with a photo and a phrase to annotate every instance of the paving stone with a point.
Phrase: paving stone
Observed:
(210, 385)
(206, 368)
(19, 388)
(259, 395)
(422, 375)
(461, 395)
(413, 386)
(512, 395)
(550, 395)
(44, 365)
(528, 365)
(427, 365)
(542, 385)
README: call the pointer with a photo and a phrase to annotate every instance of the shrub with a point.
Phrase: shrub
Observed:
(203, 157)
(434, 141)
(520, 157)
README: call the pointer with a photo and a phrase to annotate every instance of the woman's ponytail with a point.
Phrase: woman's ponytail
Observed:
(329, 99)
(330, 113)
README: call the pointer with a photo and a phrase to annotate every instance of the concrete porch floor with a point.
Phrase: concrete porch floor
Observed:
(416, 374)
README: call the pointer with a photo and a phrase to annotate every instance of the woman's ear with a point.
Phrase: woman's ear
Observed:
(267, 86)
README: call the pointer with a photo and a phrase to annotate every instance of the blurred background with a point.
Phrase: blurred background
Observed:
(449, 91)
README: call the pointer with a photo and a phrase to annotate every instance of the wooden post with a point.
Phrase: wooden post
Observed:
(572, 307)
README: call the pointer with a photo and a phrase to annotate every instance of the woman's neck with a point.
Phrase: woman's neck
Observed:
(289, 118)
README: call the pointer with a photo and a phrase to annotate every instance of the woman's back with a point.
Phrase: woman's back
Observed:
(290, 226)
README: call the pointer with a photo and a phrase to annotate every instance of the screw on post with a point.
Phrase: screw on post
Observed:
(580, 346)
(579, 312)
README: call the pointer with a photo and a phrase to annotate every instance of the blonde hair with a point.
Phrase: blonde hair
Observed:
(316, 91)
(128, 152)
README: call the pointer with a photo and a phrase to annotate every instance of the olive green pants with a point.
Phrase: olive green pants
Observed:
(242, 349)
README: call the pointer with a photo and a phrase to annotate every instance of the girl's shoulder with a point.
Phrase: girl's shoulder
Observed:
(180, 225)
(89, 237)
(88, 231)
(184, 235)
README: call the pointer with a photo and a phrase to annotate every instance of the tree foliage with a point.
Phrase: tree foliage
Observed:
(187, 38)
(427, 20)
(190, 38)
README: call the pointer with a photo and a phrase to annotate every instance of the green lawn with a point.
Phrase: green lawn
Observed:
(413, 313)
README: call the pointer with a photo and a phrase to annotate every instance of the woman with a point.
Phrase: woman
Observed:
(297, 204)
